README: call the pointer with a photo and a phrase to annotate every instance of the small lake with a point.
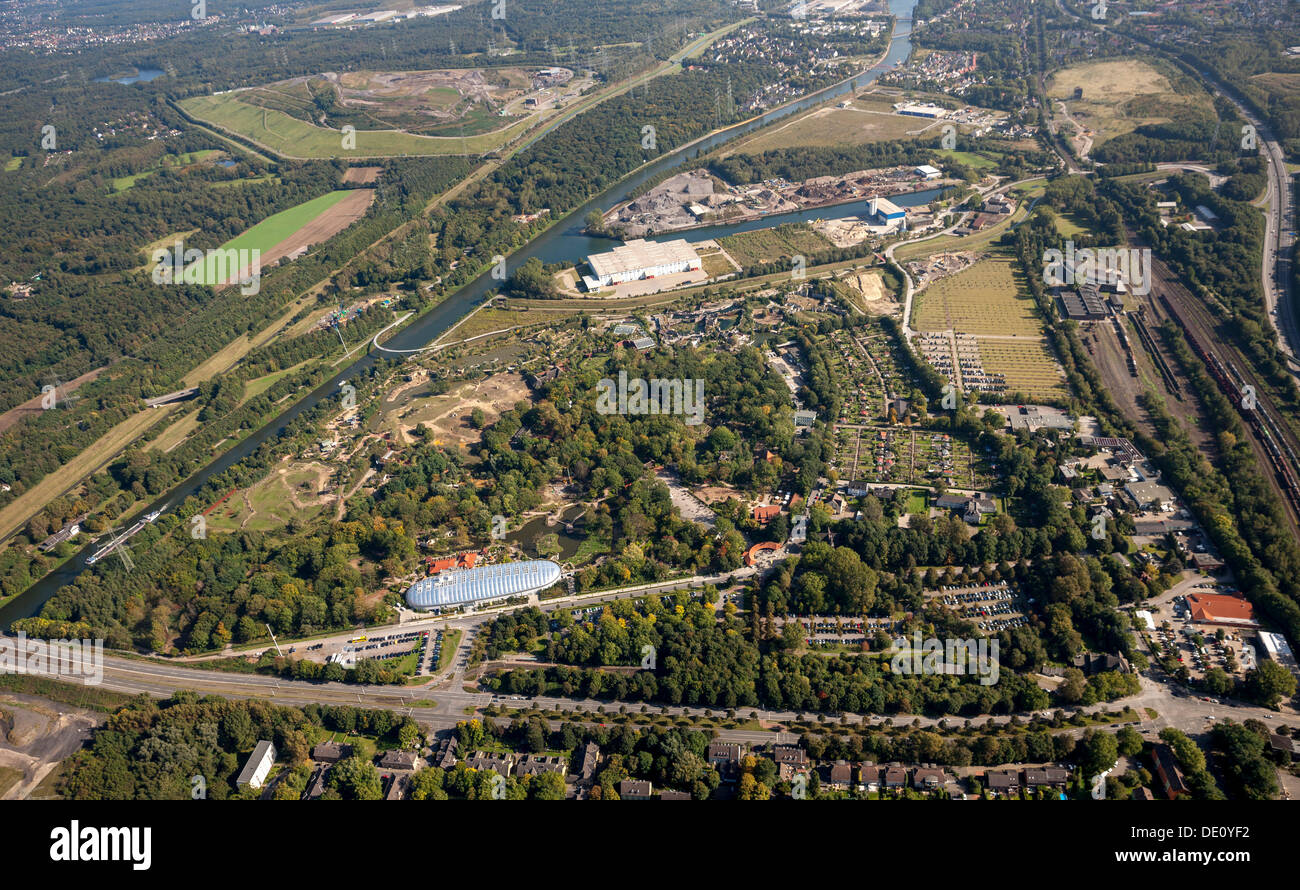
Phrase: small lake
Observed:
(141, 75)
(528, 534)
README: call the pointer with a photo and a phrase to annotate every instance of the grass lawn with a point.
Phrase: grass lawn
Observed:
(591, 547)
(766, 245)
(122, 183)
(450, 640)
(175, 433)
(974, 242)
(271, 231)
(259, 385)
(1069, 226)
(968, 158)
(294, 138)
(487, 320)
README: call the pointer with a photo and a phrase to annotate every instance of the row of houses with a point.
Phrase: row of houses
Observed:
(874, 778)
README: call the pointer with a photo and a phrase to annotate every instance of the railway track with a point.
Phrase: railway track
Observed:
(1233, 374)
(1158, 357)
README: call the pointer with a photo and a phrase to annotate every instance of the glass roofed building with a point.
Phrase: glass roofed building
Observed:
(458, 587)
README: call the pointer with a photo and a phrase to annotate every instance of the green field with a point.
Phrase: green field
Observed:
(290, 137)
(122, 183)
(1070, 226)
(450, 640)
(969, 158)
(270, 232)
(767, 245)
(288, 492)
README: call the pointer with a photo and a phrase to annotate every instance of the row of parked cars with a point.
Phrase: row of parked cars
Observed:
(994, 625)
(424, 651)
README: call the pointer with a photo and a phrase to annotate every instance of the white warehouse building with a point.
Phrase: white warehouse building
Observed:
(638, 259)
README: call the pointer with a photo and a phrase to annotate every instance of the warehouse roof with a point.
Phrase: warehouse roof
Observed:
(640, 254)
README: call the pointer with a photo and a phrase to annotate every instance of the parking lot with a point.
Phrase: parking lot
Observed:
(993, 606)
(1197, 647)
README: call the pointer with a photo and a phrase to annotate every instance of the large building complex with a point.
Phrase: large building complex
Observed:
(459, 587)
(638, 259)
(912, 109)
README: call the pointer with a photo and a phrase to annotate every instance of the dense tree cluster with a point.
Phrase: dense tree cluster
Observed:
(152, 750)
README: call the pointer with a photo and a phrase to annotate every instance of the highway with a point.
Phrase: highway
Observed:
(442, 705)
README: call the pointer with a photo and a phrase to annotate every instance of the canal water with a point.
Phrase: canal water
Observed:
(563, 242)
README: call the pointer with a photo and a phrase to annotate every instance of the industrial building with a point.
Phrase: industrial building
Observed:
(1087, 304)
(915, 110)
(1033, 418)
(925, 171)
(459, 587)
(1276, 649)
(886, 211)
(638, 259)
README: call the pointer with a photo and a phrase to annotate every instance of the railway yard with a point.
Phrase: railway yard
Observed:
(1127, 361)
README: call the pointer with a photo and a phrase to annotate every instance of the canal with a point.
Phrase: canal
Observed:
(563, 242)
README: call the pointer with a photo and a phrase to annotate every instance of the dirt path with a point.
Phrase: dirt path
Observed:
(34, 406)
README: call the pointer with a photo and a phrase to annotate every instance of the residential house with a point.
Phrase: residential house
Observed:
(258, 765)
(928, 778)
(590, 760)
(501, 764)
(725, 757)
(400, 760)
(838, 774)
(1167, 770)
(399, 786)
(790, 754)
(331, 752)
(445, 757)
(634, 789)
(536, 764)
(1051, 777)
(1002, 782)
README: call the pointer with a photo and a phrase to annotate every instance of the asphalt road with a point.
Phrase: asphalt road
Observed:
(441, 706)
